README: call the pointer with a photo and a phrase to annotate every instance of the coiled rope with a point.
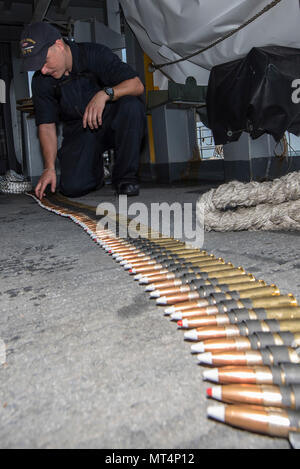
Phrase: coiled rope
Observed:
(14, 183)
(267, 206)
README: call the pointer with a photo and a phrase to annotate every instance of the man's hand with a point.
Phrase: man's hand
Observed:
(94, 110)
(48, 177)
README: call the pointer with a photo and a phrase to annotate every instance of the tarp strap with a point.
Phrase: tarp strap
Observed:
(231, 33)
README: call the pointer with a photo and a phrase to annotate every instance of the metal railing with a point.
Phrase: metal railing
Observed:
(206, 144)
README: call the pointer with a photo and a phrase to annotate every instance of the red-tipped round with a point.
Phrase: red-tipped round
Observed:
(209, 392)
(179, 323)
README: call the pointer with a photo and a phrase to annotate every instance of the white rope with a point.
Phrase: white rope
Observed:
(269, 206)
(13, 183)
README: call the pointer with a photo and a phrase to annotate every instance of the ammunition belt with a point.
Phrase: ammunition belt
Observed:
(275, 348)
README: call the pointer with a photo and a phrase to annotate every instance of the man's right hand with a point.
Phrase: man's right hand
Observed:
(48, 177)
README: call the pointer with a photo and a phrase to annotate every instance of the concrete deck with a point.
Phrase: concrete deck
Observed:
(91, 360)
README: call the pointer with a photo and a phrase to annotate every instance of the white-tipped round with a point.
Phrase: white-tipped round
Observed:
(142, 280)
(198, 348)
(216, 412)
(161, 301)
(150, 288)
(191, 335)
(177, 316)
(205, 358)
(115, 255)
(211, 375)
(121, 260)
(127, 266)
(216, 392)
(155, 294)
(170, 310)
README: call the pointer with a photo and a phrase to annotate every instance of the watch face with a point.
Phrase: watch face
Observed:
(109, 92)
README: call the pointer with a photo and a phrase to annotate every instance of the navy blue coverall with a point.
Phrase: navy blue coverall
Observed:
(123, 122)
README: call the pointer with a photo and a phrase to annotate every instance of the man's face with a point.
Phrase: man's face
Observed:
(55, 64)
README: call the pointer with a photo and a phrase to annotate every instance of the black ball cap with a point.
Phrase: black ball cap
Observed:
(35, 41)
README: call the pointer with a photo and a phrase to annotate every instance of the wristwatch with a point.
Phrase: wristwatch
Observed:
(110, 92)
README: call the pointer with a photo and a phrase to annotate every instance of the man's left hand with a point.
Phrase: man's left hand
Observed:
(94, 110)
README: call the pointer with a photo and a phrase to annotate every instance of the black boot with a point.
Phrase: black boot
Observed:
(128, 188)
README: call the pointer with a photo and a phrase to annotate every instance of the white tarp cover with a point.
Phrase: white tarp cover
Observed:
(171, 29)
